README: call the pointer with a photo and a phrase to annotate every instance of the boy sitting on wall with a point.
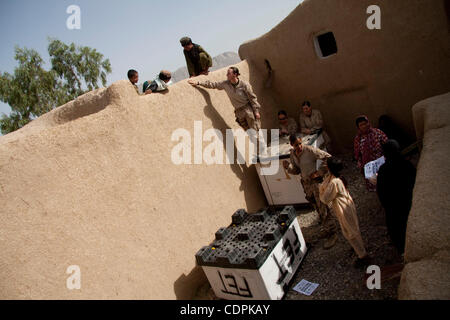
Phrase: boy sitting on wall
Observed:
(160, 83)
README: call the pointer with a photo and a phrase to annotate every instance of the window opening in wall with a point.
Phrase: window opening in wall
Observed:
(325, 44)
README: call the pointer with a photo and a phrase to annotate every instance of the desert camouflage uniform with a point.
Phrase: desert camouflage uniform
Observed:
(242, 98)
(290, 128)
(314, 122)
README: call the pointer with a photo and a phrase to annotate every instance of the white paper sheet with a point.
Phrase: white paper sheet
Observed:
(371, 168)
(305, 287)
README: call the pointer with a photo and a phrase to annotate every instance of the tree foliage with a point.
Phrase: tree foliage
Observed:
(32, 91)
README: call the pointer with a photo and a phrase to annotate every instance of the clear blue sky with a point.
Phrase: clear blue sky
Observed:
(138, 34)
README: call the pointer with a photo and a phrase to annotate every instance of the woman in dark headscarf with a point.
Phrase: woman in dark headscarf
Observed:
(367, 145)
(395, 183)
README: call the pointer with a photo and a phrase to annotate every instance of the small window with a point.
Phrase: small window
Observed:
(325, 44)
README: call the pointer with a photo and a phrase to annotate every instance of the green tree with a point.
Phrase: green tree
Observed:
(32, 91)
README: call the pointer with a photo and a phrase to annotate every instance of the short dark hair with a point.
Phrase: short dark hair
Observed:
(131, 73)
(185, 41)
(165, 75)
(282, 112)
(306, 103)
(335, 166)
(361, 119)
(235, 70)
(294, 137)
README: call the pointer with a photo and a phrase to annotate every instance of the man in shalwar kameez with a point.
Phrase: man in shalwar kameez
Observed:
(303, 160)
(335, 195)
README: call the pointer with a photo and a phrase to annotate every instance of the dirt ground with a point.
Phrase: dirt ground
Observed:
(333, 269)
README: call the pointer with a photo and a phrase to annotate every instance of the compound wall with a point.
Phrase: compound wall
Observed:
(92, 184)
(374, 72)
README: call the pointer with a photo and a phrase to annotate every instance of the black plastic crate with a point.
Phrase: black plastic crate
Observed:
(248, 240)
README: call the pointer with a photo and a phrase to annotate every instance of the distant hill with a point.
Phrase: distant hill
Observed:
(222, 60)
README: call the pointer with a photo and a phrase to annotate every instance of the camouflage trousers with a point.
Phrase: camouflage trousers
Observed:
(327, 219)
(245, 117)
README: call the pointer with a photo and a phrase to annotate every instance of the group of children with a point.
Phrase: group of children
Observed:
(198, 62)
(160, 83)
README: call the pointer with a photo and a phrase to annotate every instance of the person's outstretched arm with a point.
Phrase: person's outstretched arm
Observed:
(320, 155)
(208, 84)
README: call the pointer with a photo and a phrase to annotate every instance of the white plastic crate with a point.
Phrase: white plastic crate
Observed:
(259, 264)
(283, 188)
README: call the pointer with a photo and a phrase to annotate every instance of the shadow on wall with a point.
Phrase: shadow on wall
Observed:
(250, 184)
(187, 286)
(262, 81)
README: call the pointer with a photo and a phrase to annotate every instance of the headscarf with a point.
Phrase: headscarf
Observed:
(391, 150)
